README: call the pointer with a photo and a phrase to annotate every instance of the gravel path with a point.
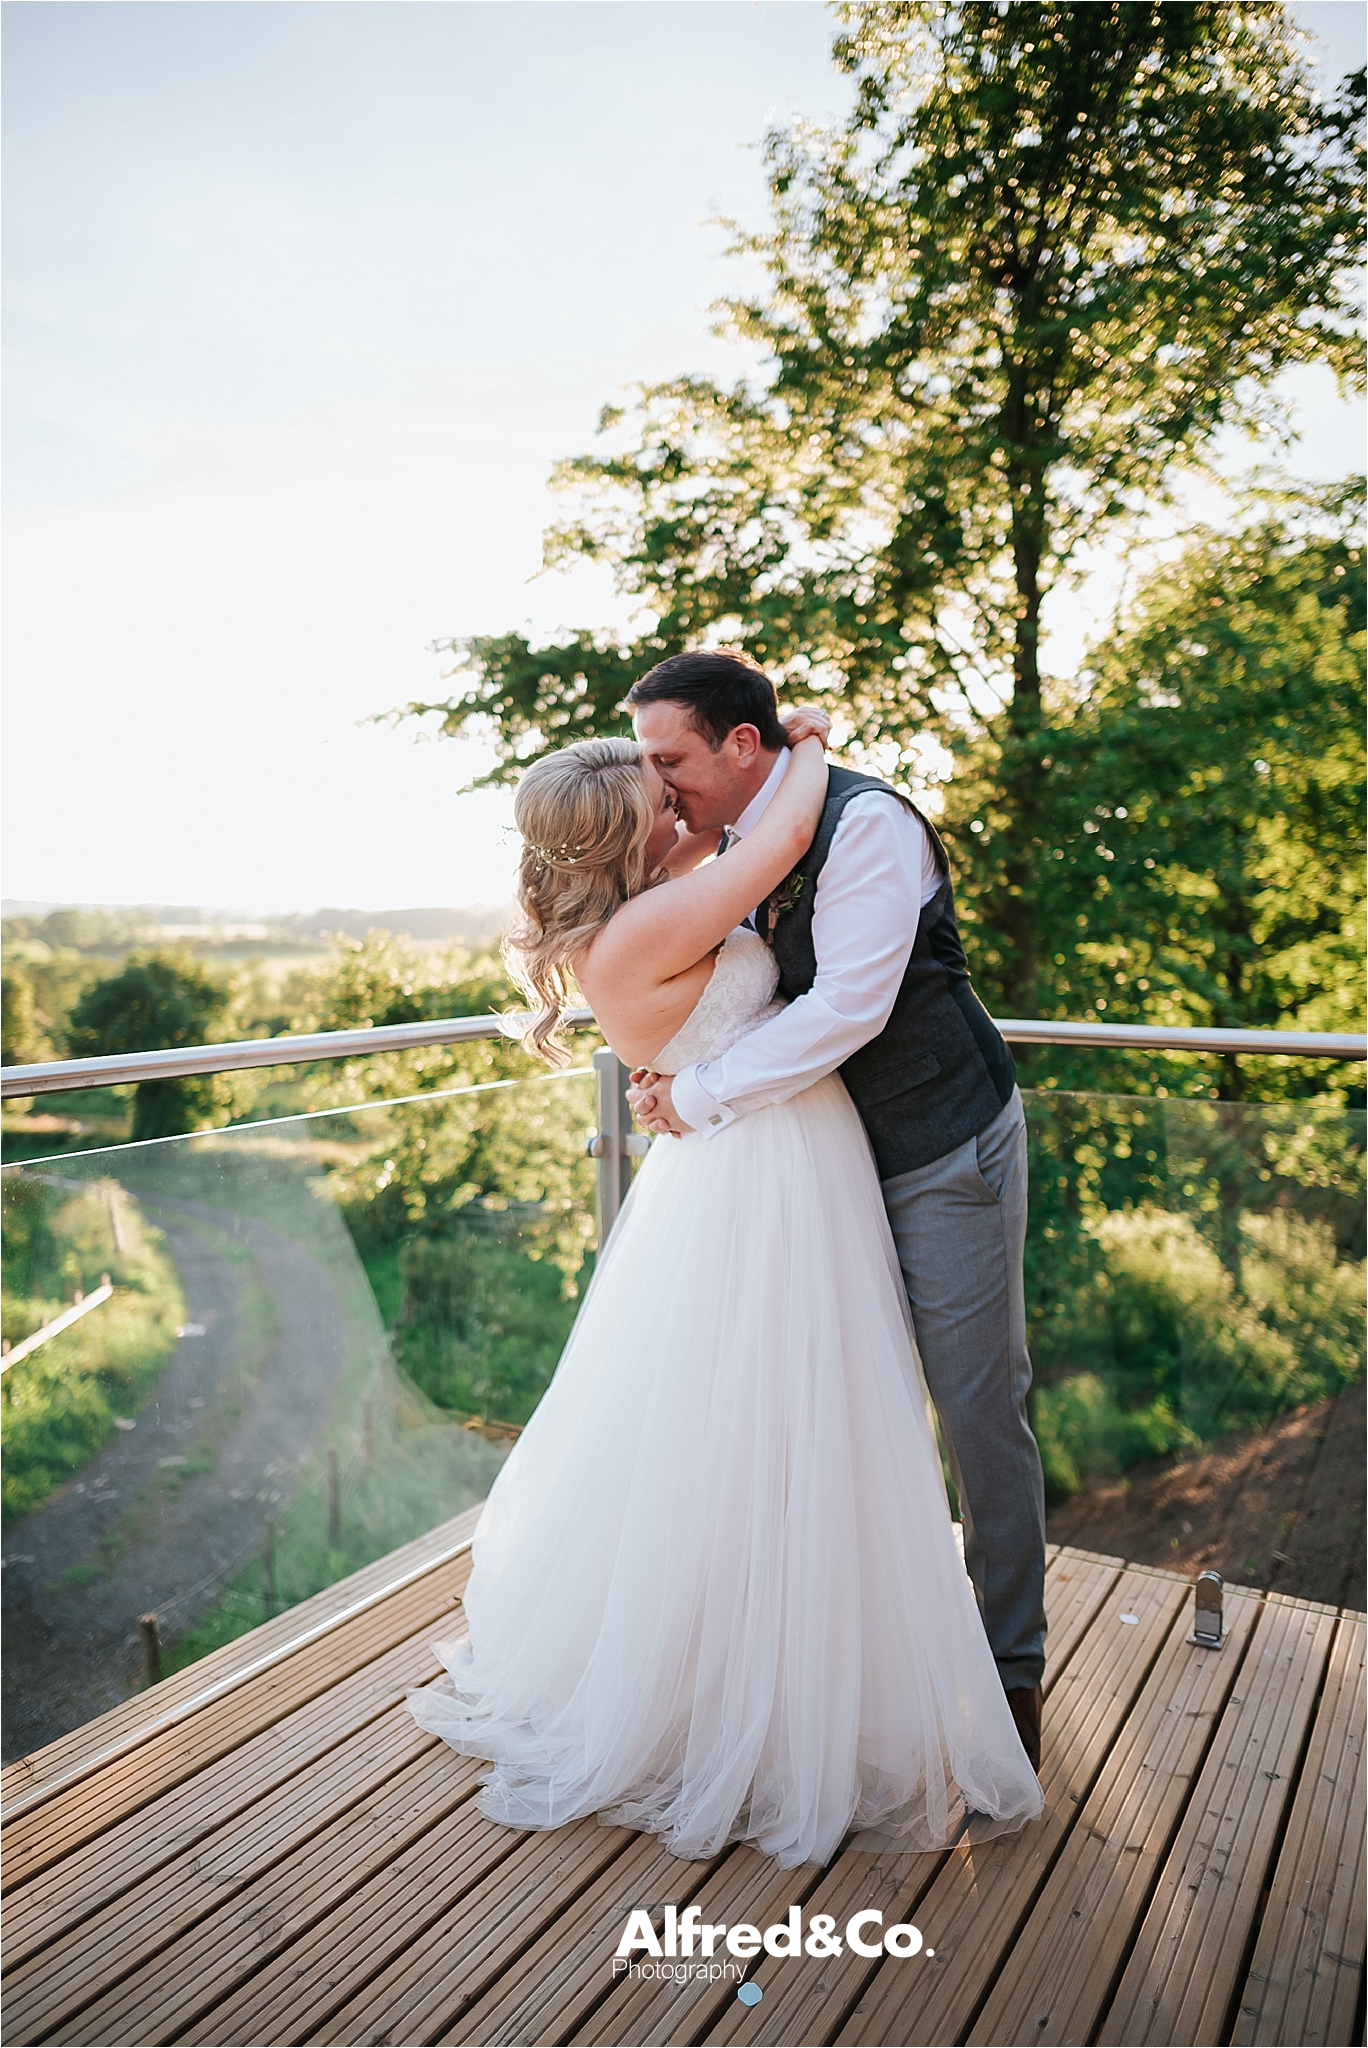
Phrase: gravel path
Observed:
(71, 1606)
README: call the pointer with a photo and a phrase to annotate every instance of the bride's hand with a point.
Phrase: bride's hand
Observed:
(804, 722)
(653, 1104)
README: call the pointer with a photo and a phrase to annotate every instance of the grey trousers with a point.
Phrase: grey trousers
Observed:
(960, 1228)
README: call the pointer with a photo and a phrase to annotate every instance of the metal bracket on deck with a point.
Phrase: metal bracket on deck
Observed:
(1208, 1624)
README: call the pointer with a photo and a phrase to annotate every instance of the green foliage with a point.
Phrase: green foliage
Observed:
(382, 980)
(60, 1402)
(1201, 811)
(1175, 1323)
(1054, 251)
(1192, 1268)
(1088, 1155)
(482, 1325)
(24, 1036)
(56, 978)
(1312, 1303)
(1082, 1433)
(493, 1144)
(82, 929)
(155, 1002)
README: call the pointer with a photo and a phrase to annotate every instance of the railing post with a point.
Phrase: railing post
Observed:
(150, 1636)
(612, 1145)
(334, 1500)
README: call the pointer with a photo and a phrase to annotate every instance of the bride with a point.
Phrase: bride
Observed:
(716, 1592)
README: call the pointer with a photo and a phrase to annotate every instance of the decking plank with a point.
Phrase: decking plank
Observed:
(130, 1939)
(323, 1874)
(97, 1873)
(84, 1747)
(42, 1835)
(295, 1989)
(1304, 1981)
(564, 1976)
(1057, 1979)
(423, 1992)
(1076, 1584)
(1185, 1966)
(971, 1915)
(746, 1887)
(392, 1829)
(810, 2001)
(274, 2007)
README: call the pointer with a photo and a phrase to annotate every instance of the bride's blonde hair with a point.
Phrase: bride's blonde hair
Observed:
(585, 815)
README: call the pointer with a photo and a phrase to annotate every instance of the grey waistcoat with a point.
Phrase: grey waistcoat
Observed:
(940, 1070)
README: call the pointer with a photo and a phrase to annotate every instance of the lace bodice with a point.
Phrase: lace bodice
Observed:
(739, 996)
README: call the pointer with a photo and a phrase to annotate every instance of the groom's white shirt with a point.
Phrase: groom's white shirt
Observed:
(878, 874)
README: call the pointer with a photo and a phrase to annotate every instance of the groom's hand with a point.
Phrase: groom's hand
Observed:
(652, 1104)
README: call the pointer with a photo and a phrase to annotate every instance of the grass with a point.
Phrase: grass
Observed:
(481, 1325)
(422, 1470)
(60, 1403)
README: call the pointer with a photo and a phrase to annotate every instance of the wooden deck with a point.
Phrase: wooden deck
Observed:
(266, 1849)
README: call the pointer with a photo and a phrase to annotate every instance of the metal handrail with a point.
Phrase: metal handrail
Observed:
(1309, 1045)
(52, 1077)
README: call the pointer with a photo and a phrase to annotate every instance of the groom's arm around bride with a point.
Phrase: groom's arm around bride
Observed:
(870, 960)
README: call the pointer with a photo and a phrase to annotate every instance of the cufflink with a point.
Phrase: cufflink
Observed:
(714, 1119)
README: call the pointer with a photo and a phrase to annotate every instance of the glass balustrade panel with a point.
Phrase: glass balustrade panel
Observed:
(323, 1334)
(244, 1363)
(1193, 1268)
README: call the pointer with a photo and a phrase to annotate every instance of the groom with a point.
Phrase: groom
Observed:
(870, 958)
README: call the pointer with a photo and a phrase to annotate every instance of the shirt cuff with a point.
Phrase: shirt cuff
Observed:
(695, 1107)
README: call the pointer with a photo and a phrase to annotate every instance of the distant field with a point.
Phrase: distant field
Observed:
(54, 952)
(114, 927)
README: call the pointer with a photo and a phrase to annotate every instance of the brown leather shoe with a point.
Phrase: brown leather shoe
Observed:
(1025, 1703)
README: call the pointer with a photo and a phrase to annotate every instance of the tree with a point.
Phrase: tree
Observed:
(1207, 796)
(479, 1140)
(157, 1001)
(1054, 250)
(24, 1036)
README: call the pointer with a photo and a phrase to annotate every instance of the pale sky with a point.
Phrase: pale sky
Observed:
(303, 298)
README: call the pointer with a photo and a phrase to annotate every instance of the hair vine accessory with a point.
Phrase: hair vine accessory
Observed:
(553, 856)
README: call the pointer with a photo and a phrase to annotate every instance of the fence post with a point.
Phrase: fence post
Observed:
(334, 1501)
(613, 1145)
(151, 1648)
(268, 1577)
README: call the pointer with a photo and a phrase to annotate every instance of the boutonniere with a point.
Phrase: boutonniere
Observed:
(782, 900)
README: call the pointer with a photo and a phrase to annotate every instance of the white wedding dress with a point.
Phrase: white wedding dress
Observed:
(716, 1592)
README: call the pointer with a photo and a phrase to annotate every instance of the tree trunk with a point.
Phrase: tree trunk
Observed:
(1021, 750)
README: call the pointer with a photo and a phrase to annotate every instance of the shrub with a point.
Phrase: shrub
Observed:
(482, 1324)
(1181, 1350)
(1299, 1289)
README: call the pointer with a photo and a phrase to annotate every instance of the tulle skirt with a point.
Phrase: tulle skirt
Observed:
(715, 1590)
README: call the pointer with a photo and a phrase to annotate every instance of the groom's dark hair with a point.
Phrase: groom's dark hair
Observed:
(720, 688)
